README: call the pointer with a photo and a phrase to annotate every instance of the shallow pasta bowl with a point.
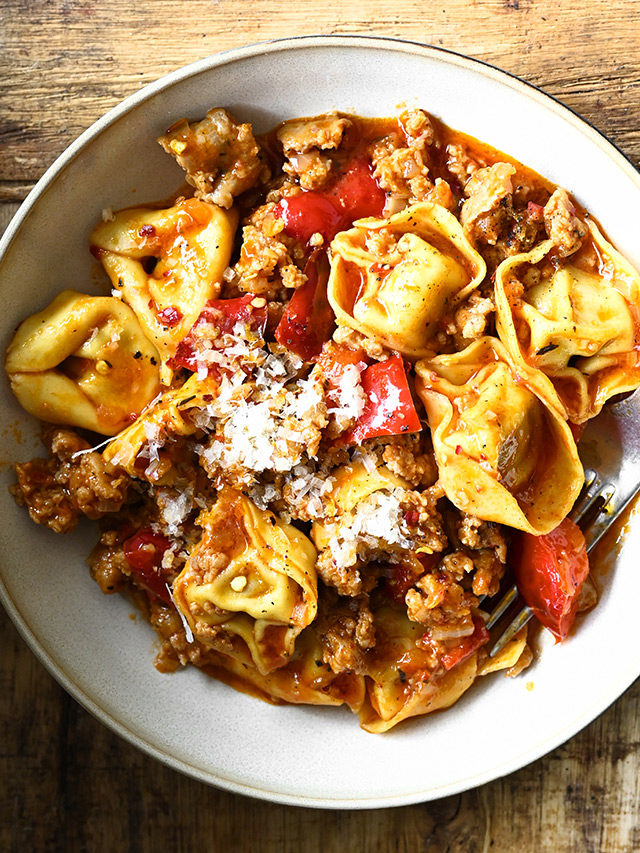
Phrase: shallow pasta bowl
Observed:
(301, 755)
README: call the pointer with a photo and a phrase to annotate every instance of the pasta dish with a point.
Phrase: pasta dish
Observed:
(334, 395)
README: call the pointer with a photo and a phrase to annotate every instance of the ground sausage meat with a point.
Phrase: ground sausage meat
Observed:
(220, 156)
(71, 483)
(562, 225)
(486, 209)
(304, 140)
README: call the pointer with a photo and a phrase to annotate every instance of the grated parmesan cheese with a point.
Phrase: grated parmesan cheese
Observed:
(174, 509)
(255, 430)
(349, 397)
(374, 524)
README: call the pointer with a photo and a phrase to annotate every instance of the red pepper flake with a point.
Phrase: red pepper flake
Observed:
(147, 231)
(458, 449)
(411, 517)
(169, 316)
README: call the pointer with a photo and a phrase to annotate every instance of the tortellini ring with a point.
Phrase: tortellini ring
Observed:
(504, 450)
(389, 700)
(579, 326)
(251, 574)
(84, 361)
(353, 483)
(167, 263)
(397, 278)
(165, 419)
(303, 680)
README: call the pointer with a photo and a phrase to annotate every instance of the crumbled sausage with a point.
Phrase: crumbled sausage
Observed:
(404, 458)
(487, 207)
(562, 225)
(220, 156)
(459, 163)
(58, 490)
(401, 171)
(266, 266)
(417, 127)
(304, 134)
(441, 604)
(487, 548)
(304, 140)
(346, 630)
(471, 319)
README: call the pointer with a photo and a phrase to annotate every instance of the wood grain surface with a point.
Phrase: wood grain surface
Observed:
(66, 782)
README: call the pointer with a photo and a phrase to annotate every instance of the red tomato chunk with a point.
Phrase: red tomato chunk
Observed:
(466, 646)
(224, 314)
(144, 552)
(550, 571)
(355, 194)
(389, 409)
(308, 320)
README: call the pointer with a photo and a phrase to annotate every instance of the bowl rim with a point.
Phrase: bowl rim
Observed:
(128, 104)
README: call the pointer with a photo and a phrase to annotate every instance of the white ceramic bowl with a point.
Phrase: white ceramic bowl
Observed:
(302, 755)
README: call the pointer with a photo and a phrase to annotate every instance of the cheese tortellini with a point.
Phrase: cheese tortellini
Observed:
(83, 361)
(576, 324)
(353, 484)
(167, 263)
(397, 278)
(504, 450)
(251, 575)
(392, 696)
(305, 679)
(139, 450)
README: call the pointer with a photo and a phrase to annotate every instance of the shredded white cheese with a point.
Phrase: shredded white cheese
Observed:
(349, 397)
(375, 522)
(174, 509)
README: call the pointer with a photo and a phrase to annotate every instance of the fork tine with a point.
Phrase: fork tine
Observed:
(518, 622)
(592, 484)
(505, 602)
(603, 492)
(594, 491)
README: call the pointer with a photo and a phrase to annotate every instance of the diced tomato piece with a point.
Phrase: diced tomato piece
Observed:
(357, 192)
(310, 213)
(549, 572)
(389, 409)
(144, 552)
(308, 320)
(225, 314)
(354, 194)
(467, 645)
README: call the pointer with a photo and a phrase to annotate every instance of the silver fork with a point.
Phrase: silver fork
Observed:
(609, 446)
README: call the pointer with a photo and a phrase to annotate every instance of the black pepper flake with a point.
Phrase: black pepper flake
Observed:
(153, 361)
(187, 400)
(137, 354)
(548, 348)
(402, 675)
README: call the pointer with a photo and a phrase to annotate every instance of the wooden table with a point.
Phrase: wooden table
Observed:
(66, 782)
